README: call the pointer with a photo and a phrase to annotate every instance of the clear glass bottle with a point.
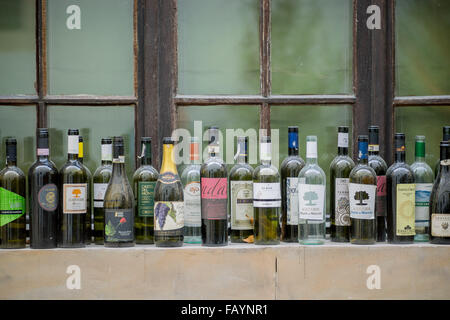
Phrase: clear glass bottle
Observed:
(311, 198)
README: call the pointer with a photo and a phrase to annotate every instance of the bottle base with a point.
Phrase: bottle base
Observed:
(215, 244)
(363, 242)
(421, 238)
(312, 242)
(119, 244)
(163, 244)
(192, 239)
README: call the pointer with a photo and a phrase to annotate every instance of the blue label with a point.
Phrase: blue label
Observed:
(293, 140)
(363, 149)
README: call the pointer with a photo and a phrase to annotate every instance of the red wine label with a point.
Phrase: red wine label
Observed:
(381, 196)
(119, 225)
(48, 197)
(214, 198)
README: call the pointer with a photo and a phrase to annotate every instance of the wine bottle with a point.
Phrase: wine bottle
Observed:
(192, 193)
(362, 193)
(214, 196)
(144, 182)
(266, 197)
(101, 179)
(290, 168)
(400, 196)
(118, 203)
(241, 195)
(12, 201)
(169, 201)
(423, 177)
(379, 165)
(340, 169)
(88, 220)
(445, 137)
(311, 198)
(43, 186)
(439, 231)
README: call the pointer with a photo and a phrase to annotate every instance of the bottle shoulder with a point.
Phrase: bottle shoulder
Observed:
(342, 162)
(240, 170)
(311, 170)
(169, 191)
(145, 173)
(362, 170)
(422, 172)
(73, 167)
(266, 170)
(212, 167)
(376, 160)
(11, 172)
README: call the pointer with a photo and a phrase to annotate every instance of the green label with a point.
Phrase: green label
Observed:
(12, 206)
(145, 198)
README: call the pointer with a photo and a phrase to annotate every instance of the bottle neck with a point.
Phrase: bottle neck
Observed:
(343, 151)
(265, 153)
(399, 156)
(363, 153)
(168, 163)
(213, 151)
(311, 152)
(194, 155)
(420, 151)
(242, 152)
(374, 147)
(146, 157)
(118, 169)
(42, 150)
(342, 143)
(72, 147)
(80, 151)
(293, 144)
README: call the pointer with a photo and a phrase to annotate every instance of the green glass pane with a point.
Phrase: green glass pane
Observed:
(320, 121)
(94, 123)
(312, 46)
(17, 47)
(19, 122)
(94, 56)
(422, 47)
(425, 121)
(218, 47)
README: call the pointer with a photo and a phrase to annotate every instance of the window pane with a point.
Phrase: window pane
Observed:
(312, 46)
(90, 52)
(19, 122)
(426, 121)
(320, 121)
(17, 47)
(94, 123)
(218, 47)
(422, 48)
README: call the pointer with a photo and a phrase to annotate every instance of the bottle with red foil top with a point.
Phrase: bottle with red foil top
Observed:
(379, 165)
(214, 199)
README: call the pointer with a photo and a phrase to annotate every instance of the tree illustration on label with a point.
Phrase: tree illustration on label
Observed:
(361, 195)
(76, 193)
(310, 196)
(444, 225)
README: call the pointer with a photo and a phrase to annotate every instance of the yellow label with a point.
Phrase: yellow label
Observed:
(80, 150)
(406, 211)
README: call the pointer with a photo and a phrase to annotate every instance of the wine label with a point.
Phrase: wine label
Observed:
(214, 198)
(74, 198)
(381, 196)
(374, 147)
(423, 192)
(168, 177)
(169, 215)
(405, 208)
(292, 201)
(12, 206)
(145, 198)
(342, 139)
(440, 224)
(107, 152)
(311, 149)
(119, 159)
(48, 197)
(266, 195)
(192, 209)
(42, 151)
(72, 144)
(99, 194)
(362, 201)
(241, 195)
(119, 225)
(265, 151)
(342, 204)
(311, 201)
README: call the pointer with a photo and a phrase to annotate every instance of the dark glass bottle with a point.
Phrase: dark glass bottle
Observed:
(43, 186)
(74, 195)
(241, 195)
(214, 198)
(445, 137)
(118, 203)
(400, 196)
(362, 195)
(439, 230)
(169, 201)
(379, 165)
(340, 169)
(144, 182)
(101, 179)
(290, 168)
(88, 220)
(12, 201)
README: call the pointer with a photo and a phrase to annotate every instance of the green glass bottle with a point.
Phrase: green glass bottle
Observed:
(340, 169)
(241, 195)
(362, 195)
(445, 137)
(88, 221)
(144, 182)
(12, 201)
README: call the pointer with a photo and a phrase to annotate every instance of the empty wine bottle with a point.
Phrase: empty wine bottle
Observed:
(88, 220)
(43, 186)
(445, 137)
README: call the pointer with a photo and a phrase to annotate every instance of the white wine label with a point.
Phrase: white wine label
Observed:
(99, 194)
(440, 224)
(311, 149)
(362, 200)
(266, 195)
(74, 198)
(311, 200)
(405, 208)
(292, 201)
(265, 152)
(192, 209)
(342, 203)
(106, 152)
(169, 215)
(423, 192)
(342, 140)
(72, 144)
(241, 195)
(119, 225)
